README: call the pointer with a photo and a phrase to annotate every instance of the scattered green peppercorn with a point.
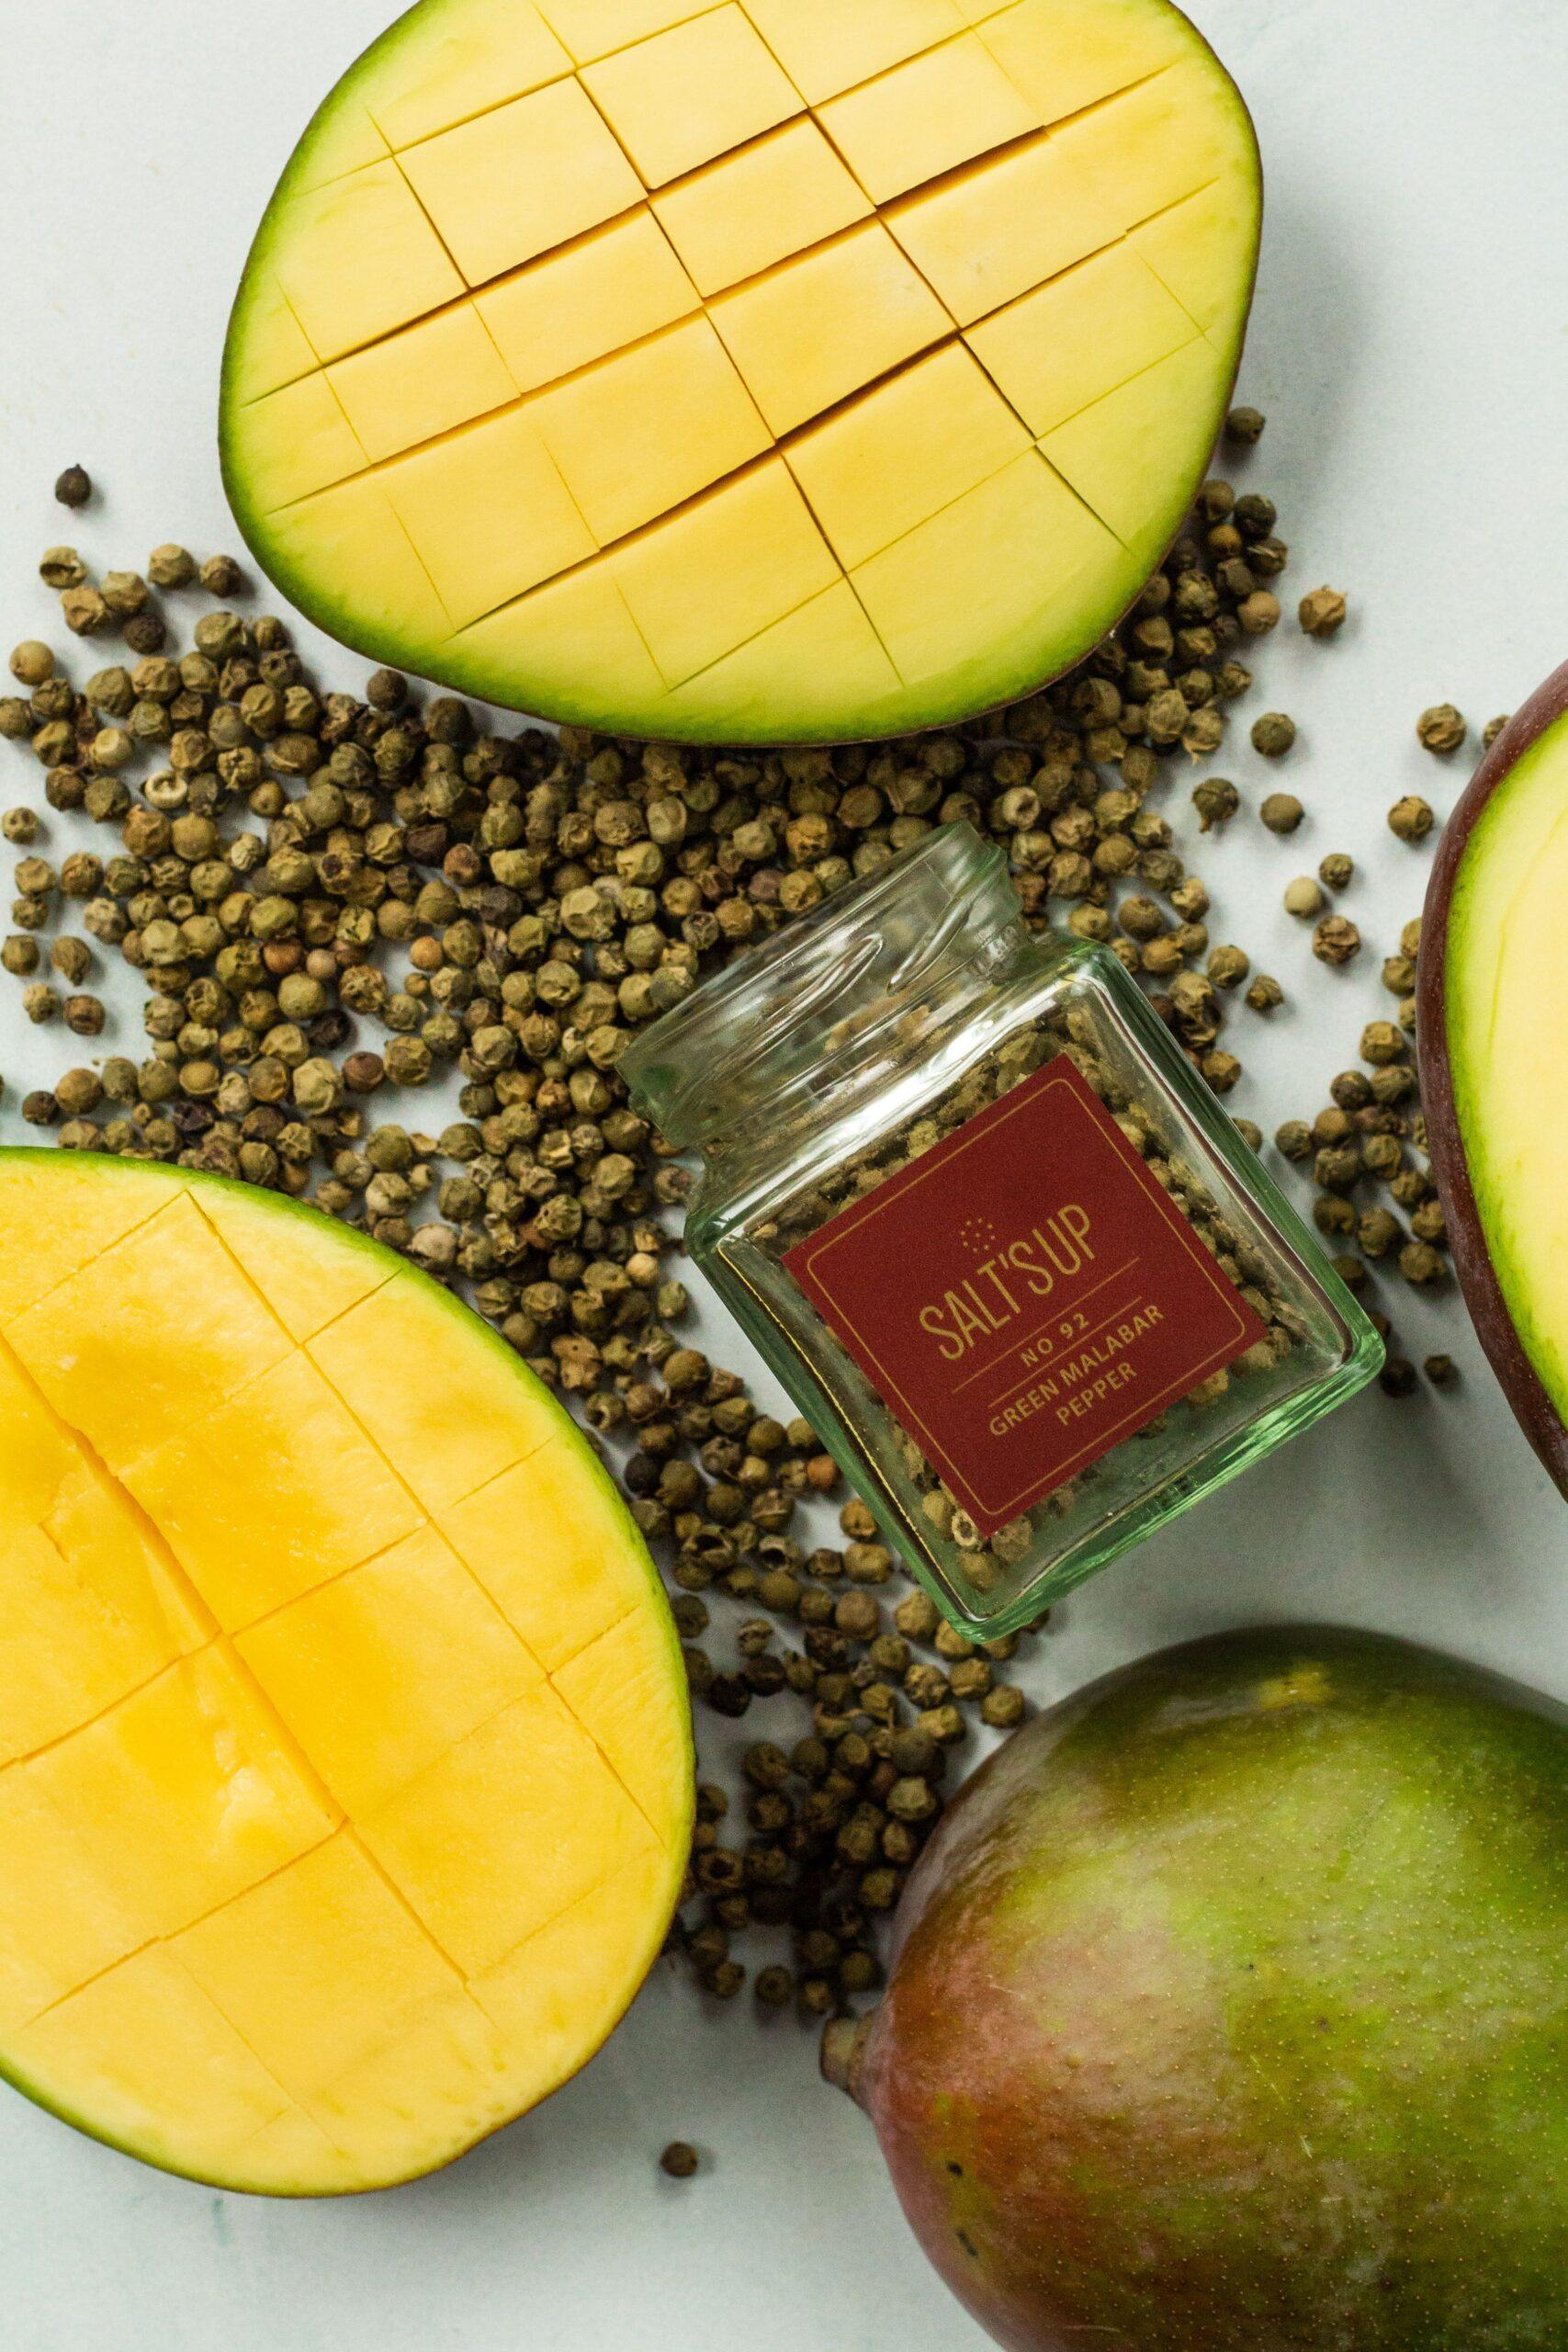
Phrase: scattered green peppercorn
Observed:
(32, 662)
(1411, 819)
(1243, 427)
(62, 568)
(1335, 940)
(1441, 729)
(1216, 800)
(1273, 735)
(1281, 812)
(171, 566)
(84, 611)
(1322, 613)
(221, 576)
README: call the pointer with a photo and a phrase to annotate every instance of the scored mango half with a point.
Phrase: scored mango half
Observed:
(345, 1773)
(779, 371)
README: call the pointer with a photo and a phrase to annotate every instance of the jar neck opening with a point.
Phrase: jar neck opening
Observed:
(876, 973)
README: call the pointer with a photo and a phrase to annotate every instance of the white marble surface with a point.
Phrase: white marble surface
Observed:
(1409, 345)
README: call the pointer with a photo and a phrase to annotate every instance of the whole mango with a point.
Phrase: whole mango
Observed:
(1229, 2012)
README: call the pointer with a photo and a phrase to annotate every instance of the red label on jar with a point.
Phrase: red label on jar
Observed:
(1025, 1295)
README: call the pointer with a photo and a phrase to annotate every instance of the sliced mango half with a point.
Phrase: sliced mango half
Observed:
(556, 296)
(345, 1771)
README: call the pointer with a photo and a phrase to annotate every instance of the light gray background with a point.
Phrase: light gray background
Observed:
(1409, 347)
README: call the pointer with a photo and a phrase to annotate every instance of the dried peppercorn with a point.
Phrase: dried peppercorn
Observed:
(1322, 613)
(1441, 729)
(171, 566)
(1411, 819)
(1336, 939)
(1273, 735)
(1216, 800)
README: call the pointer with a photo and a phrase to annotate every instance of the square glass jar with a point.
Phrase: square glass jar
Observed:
(996, 1238)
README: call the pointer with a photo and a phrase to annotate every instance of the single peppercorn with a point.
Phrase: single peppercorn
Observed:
(221, 576)
(32, 662)
(1420, 1263)
(1335, 940)
(1281, 812)
(75, 487)
(1411, 819)
(1304, 899)
(84, 1015)
(1264, 993)
(84, 611)
(1335, 871)
(71, 958)
(1322, 613)
(125, 593)
(1382, 1042)
(1259, 613)
(1216, 800)
(40, 1002)
(1243, 427)
(1274, 734)
(171, 566)
(146, 632)
(680, 2160)
(62, 568)
(1441, 729)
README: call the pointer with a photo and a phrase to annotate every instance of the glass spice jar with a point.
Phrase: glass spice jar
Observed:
(995, 1236)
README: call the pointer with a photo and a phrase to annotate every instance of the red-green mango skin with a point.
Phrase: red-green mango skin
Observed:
(1229, 2012)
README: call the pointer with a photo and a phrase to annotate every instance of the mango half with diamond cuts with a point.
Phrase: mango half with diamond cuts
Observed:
(774, 371)
(345, 1775)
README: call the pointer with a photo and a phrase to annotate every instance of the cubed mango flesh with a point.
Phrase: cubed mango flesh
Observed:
(597, 258)
(333, 1675)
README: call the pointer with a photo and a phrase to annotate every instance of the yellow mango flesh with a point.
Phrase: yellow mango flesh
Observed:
(548, 280)
(1505, 995)
(345, 1758)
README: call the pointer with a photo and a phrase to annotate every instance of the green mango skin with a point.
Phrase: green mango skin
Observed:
(1230, 2010)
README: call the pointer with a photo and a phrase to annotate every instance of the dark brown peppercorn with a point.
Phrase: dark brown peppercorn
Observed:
(1243, 427)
